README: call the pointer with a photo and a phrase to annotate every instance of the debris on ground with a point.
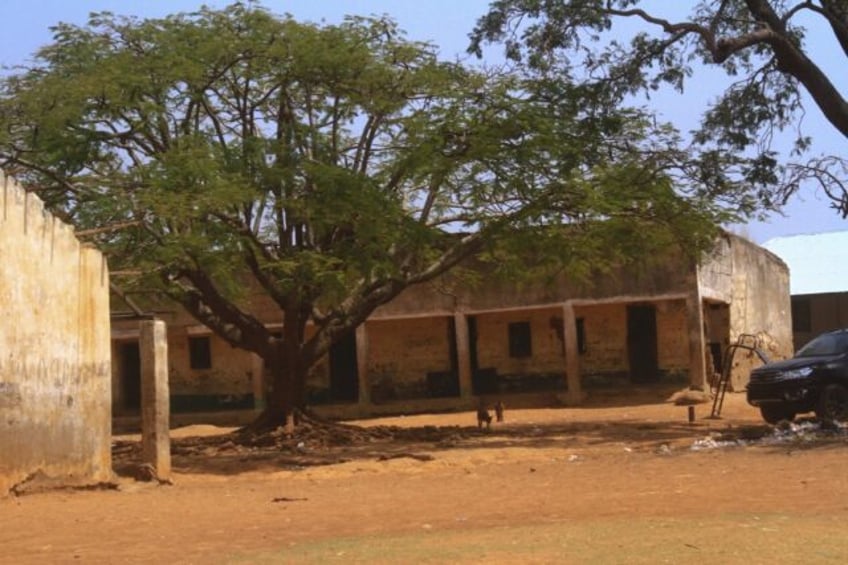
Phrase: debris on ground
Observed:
(313, 442)
(805, 431)
(288, 499)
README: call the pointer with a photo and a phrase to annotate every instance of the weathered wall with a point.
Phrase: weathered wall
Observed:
(657, 276)
(545, 332)
(402, 352)
(760, 305)
(229, 373)
(606, 339)
(228, 382)
(672, 343)
(410, 337)
(605, 331)
(54, 349)
(716, 272)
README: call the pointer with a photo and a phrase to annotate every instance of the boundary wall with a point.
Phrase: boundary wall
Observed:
(55, 354)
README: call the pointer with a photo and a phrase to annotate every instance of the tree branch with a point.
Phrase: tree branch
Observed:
(794, 62)
(205, 303)
(706, 34)
(790, 59)
(105, 229)
(836, 13)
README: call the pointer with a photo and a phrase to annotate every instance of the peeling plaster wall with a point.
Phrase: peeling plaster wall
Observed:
(716, 272)
(546, 344)
(606, 339)
(402, 352)
(229, 372)
(654, 276)
(605, 331)
(754, 283)
(55, 389)
(760, 306)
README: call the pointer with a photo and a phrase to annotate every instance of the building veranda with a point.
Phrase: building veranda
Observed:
(445, 345)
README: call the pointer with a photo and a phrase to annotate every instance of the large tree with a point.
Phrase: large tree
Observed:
(762, 45)
(333, 166)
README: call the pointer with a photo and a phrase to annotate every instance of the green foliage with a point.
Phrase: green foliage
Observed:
(333, 165)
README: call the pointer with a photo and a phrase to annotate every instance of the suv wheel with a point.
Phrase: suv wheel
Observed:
(833, 404)
(774, 413)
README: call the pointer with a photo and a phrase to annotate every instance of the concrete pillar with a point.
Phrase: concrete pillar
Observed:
(695, 330)
(257, 376)
(572, 354)
(463, 355)
(155, 403)
(362, 363)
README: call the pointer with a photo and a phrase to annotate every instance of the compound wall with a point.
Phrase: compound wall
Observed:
(55, 390)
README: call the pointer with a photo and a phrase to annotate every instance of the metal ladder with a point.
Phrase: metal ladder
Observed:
(749, 342)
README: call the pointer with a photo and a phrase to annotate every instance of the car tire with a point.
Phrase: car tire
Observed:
(774, 413)
(833, 404)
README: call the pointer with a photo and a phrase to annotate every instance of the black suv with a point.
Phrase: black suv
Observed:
(816, 379)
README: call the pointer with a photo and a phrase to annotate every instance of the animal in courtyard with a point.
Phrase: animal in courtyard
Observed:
(499, 411)
(483, 416)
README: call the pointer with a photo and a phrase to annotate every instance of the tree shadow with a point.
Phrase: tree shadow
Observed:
(235, 453)
(318, 442)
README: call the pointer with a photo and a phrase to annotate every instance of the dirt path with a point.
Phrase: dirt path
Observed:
(620, 483)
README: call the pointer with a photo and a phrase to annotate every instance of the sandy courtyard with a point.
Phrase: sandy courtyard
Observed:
(632, 483)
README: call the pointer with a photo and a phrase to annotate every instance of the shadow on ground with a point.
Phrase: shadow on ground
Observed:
(317, 442)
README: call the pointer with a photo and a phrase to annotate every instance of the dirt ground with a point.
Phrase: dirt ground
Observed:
(621, 480)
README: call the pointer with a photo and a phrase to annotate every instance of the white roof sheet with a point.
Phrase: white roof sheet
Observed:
(818, 262)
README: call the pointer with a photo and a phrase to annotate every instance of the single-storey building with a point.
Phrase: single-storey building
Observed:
(818, 264)
(441, 345)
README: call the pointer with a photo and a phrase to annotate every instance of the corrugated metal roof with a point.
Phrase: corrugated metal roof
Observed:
(818, 262)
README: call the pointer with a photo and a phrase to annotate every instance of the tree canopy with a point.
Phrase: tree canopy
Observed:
(335, 166)
(762, 45)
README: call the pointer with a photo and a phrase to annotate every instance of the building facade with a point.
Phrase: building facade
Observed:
(443, 345)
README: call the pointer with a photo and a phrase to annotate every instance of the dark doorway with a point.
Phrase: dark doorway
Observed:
(130, 376)
(344, 372)
(642, 343)
(445, 384)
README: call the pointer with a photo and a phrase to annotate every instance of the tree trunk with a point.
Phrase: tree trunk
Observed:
(287, 395)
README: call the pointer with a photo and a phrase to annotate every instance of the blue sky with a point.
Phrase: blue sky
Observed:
(446, 23)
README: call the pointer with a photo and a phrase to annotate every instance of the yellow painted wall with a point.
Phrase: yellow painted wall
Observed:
(55, 385)
(547, 346)
(229, 372)
(606, 338)
(402, 352)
